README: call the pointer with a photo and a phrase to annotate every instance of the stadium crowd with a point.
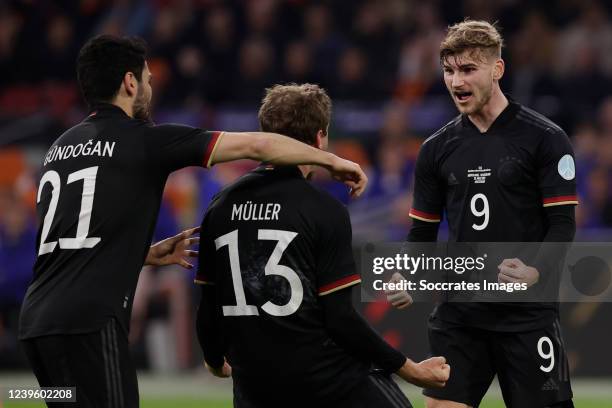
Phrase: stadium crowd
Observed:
(211, 62)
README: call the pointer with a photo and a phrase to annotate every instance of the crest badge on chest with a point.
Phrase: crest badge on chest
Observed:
(478, 175)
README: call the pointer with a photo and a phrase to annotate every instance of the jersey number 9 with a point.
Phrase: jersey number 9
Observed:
(484, 212)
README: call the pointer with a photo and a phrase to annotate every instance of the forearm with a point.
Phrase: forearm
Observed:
(422, 231)
(351, 332)
(556, 242)
(209, 330)
(270, 148)
(562, 224)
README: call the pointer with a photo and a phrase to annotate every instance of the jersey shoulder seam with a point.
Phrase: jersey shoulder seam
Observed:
(444, 128)
(538, 120)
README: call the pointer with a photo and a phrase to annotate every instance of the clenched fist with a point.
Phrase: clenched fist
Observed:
(430, 373)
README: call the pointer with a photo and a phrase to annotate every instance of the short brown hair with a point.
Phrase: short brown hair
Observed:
(480, 38)
(298, 111)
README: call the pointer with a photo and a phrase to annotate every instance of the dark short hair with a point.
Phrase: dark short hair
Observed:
(297, 111)
(103, 62)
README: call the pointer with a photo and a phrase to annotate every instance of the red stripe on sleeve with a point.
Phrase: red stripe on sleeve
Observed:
(421, 214)
(211, 147)
(340, 282)
(560, 199)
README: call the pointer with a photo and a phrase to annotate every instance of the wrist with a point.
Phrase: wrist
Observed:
(327, 159)
(406, 371)
(150, 259)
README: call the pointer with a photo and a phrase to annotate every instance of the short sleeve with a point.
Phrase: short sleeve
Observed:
(205, 274)
(556, 170)
(335, 264)
(428, 200)
(173, 147)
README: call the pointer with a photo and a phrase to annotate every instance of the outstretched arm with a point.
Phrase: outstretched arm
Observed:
(351, 332)
(282, 150)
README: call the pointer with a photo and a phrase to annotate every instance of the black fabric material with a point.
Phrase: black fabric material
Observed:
(561, 223)
(377, 389)
(344, 324)
(209, 329)
(351, 332)
(501, 185)
(272, 247)
(477, 355)
(422, 231)
(112, 169)
(98, 364)
(561, 228)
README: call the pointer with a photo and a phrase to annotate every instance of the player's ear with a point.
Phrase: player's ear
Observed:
(319, 139)
(498, 69)
(130, 84)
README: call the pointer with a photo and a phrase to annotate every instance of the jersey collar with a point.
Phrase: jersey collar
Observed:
(507, 115)
(106, 109)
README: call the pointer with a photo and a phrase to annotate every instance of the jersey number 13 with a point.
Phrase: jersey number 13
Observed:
(241, 308)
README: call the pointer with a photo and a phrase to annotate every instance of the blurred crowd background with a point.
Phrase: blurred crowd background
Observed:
(211, 62)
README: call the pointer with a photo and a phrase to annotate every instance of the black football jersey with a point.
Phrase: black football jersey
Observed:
(493, 187)
(97, 204)
(271, 245)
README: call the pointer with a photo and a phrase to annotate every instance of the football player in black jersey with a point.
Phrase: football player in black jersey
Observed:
(277, 273)
(97, 205)
(500, 172)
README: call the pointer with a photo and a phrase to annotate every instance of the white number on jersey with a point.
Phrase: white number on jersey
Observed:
(550, 355)
(241, 308)
(81, 240)
(484, 212)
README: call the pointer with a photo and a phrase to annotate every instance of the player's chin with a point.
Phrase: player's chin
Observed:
(461, 107)
(466, 109)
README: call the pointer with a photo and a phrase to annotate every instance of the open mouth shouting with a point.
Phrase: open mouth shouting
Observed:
(462, 96)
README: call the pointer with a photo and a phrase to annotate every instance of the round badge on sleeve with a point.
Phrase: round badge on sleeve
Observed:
(566, 167)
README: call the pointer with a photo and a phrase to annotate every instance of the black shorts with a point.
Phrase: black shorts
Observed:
(98, 364)
(531, 366)
(376, 390)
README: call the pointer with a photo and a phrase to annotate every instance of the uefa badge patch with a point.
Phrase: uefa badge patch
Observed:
(566, 167)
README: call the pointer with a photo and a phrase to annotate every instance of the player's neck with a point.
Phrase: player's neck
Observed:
(126, 105)
(484, 118)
